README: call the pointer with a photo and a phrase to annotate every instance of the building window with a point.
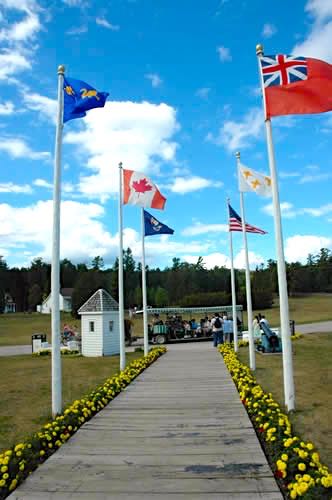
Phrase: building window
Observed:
(110, 323)
(91, 326)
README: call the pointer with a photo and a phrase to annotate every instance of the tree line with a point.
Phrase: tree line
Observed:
(181, 284)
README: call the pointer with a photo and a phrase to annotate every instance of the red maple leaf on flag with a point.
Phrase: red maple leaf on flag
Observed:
(141, 186)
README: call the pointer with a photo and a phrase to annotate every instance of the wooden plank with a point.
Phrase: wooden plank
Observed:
(178, 431)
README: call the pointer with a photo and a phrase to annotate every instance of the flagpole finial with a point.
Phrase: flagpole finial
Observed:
(120, 164)
(259, 49)
(61, 69)
(237, 155)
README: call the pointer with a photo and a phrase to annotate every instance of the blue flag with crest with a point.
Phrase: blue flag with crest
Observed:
(152, 226)
(79, 97)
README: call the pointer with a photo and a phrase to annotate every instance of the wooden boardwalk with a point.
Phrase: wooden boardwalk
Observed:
(179, 431)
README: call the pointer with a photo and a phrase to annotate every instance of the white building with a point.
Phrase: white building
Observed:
(64, 302)
(100, 325)
(10, 306)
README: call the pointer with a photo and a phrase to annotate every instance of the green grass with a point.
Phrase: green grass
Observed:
(17, 328)
(25, 388)
(313, 387)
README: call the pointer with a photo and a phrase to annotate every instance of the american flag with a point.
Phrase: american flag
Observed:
(235, 223)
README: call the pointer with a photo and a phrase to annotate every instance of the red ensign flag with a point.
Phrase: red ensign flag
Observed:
(296, 85)
(139, 190)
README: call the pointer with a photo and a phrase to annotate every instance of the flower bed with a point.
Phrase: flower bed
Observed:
(19, 461)
(296, 464)
(64, 352)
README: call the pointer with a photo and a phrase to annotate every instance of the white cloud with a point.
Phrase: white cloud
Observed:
(183, 185)
(12, 62)
(288, 175)
(17, 148)
(168, 247)
(78, 30)
(317, 43)
(315, 178)
(101, 21)
(287, 209)
(75, 3)
(42, 183)
(318, 212)
(239, 135)
(199, 228)
(224, 54)
(221, 260)
(298, 247)
(20, 227)
(10, 187)
(23, 30)
(155, 79)
(268, 30)
(6, 108)
(44, 105)
(320, 9)
(254, 260)
(203, 92)
(138, 134)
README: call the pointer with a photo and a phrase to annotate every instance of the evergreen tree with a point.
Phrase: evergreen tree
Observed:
(35, 296)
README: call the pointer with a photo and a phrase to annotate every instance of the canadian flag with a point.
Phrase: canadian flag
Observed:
(139, 190)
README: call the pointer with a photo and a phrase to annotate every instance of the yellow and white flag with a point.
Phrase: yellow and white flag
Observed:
(250, 180)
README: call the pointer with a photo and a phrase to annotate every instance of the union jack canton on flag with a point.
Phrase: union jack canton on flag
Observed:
(282, 70)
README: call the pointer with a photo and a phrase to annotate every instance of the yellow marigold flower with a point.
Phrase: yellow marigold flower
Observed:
(13, 485)
(8, 453)
(281, 465)
(310, 446)
(284, 457)
(4, 468)
(6, 476)
(302, 488)
(293, 494)
(306, 478)
(315, 457)
(2, 483)
(302, 467)
(42, 453)
(327, 481)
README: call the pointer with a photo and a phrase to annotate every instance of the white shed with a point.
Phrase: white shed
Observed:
(100, 325)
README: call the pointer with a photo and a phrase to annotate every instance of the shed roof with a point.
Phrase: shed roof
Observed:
(100, 301)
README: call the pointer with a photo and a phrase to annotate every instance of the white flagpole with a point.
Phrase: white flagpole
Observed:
(252, 358)
(121, 301)
(145, 311)
(287, 357)
(235, 332)
(55, 266)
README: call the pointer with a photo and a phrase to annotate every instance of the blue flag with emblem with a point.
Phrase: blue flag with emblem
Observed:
(152, 226)
(79, 97)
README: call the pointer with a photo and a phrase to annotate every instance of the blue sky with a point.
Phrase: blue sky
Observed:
(184, 97)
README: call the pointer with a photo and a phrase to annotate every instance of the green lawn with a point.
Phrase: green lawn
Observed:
(307, 309)
(25, 388)
(18, 328)
(313, 386)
